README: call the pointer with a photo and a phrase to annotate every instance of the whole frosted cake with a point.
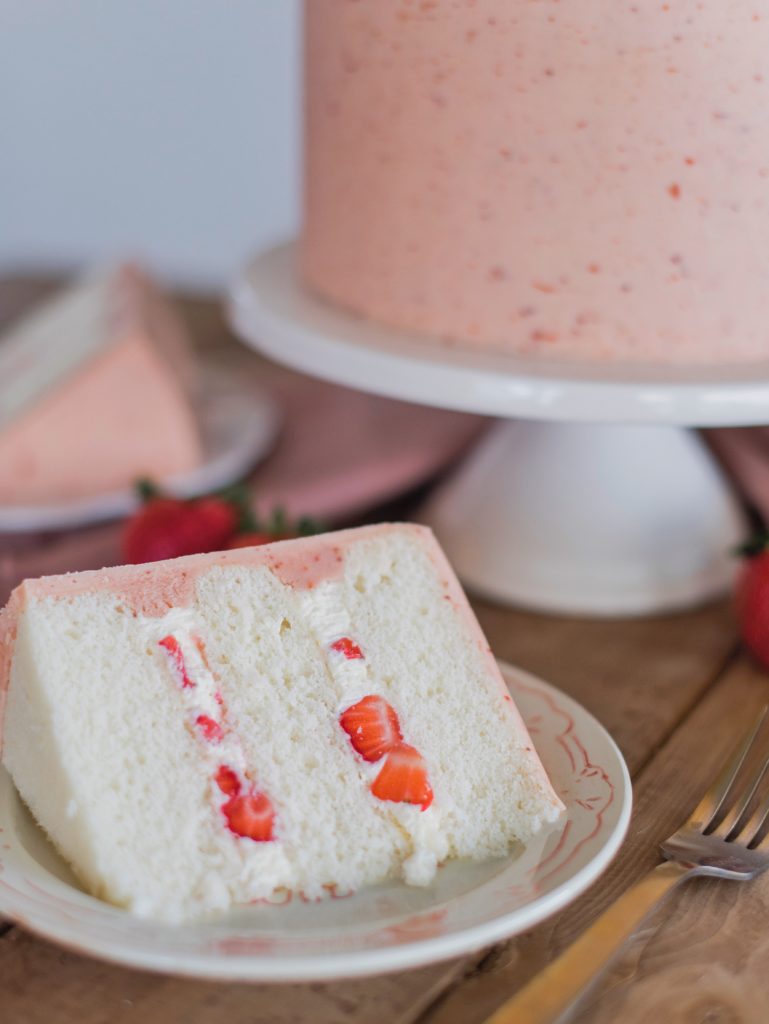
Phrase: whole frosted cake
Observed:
(310, 714)
(575, 180)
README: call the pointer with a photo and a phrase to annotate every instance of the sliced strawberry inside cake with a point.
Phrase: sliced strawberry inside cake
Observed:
(313, 713)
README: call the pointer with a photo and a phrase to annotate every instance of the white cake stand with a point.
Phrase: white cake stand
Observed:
(592, 500)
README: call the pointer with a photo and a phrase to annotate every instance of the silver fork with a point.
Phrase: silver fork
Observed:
(722, 838)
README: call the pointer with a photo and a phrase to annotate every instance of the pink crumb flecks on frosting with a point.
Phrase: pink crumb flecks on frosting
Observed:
(303, 568)
(475, 172)
(152, 590)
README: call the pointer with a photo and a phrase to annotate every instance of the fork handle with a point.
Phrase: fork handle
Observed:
(555, 988)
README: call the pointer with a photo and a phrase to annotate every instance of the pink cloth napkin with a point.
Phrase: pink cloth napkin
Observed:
(744, 454)
(343, 452)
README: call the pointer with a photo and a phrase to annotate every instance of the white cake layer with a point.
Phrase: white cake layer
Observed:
(101, 740)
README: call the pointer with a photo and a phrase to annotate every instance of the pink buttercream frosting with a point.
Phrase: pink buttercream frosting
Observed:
(153, 589)
(570, 181)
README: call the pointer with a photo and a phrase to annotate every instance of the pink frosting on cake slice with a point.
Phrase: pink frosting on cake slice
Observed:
(125, 413)
(153, 589)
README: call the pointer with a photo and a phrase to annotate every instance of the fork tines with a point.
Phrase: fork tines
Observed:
(736, 805)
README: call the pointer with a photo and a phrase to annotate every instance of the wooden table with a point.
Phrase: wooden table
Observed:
(674, 692)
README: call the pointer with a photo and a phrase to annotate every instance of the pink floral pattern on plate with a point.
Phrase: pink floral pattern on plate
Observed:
(585, 785)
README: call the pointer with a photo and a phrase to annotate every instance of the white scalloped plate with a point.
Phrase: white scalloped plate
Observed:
(383, 928)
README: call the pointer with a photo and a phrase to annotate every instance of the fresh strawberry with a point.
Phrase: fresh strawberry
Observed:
(250, 815)
(171, 645)
(210, 524)
(227, 780)
(210, 729)
(753, 598)
(346, 647)
(403, 778)
(372, 726)
(168, 528)
(150, 534)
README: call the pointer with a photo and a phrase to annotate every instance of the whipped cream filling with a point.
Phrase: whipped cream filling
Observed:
(329, 620)
(203, 699)
(262, 865)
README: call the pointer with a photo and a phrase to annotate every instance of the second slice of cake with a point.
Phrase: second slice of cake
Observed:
(309, 714)
(97, 389)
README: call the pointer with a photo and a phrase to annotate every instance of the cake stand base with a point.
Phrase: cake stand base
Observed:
(590, 519)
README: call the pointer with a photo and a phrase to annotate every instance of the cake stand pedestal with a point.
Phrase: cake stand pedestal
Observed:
(592, 501)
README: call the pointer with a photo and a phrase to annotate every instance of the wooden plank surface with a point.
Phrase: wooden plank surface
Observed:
(639, 677)
(622, 670)
(707, 930)
(41, 984)
(705, 954)
(672, 695)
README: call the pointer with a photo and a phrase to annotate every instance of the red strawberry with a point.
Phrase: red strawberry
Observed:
(403, 778)
(753, 600)
(250, 815)
(372, 726)
(210, 728)
(227, 780)
(346, 647)
(168, 528)
(171, 646)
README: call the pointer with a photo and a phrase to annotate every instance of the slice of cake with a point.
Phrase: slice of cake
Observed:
(95, 391)
(310, 714)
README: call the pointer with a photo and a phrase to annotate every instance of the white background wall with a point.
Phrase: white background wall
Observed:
(163, 129)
